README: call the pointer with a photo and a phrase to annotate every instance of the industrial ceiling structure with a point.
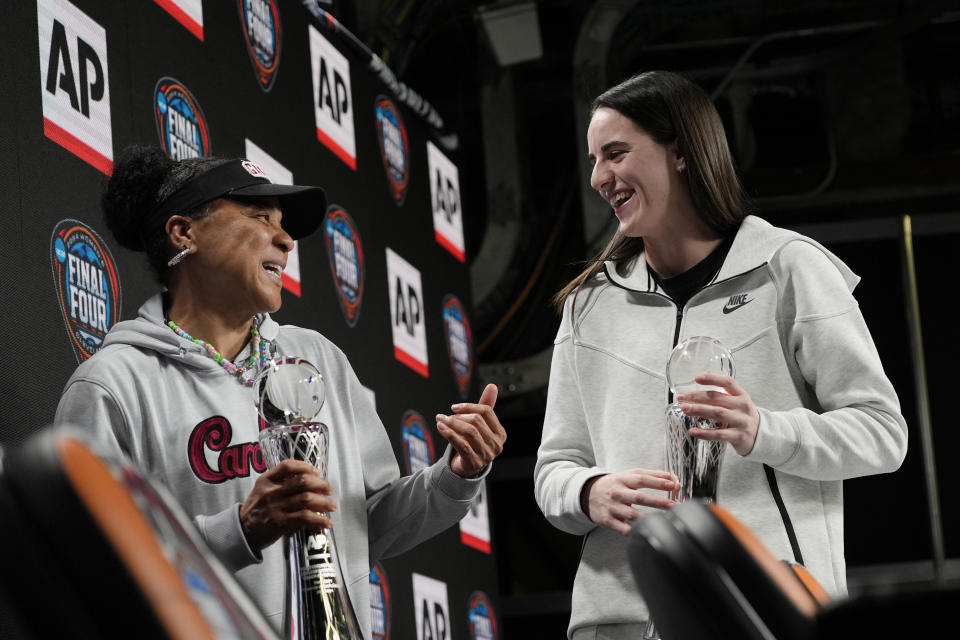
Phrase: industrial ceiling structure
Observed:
(834, 110)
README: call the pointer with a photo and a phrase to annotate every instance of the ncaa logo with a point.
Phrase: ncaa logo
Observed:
(417, 443)
(180, 123)
(346, 261)
(379, 603)
(261, 29)
(456, 327)
(394, 148)
(88, 288)
(483, 622)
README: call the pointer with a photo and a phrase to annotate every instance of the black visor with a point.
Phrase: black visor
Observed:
(303, 207)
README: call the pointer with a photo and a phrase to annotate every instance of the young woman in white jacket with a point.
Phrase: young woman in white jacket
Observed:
(810, 405)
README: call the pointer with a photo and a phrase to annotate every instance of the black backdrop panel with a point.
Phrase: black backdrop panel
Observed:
(43, 183)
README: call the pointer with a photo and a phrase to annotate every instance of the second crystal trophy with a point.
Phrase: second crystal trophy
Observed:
(696, 463)
(290, 393)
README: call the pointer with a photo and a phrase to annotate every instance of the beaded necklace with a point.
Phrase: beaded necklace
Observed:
(259, 352)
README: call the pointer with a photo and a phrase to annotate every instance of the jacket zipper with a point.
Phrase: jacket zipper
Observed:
(676, 340)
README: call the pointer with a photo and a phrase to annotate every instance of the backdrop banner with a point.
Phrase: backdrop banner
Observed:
(285, 84)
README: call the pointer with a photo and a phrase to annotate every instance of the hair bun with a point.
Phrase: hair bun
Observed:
(131, 193)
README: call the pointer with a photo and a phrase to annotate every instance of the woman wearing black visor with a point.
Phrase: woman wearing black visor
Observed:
(169, 389)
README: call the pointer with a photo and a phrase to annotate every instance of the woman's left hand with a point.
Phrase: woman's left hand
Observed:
(474, 432)
(733, 411)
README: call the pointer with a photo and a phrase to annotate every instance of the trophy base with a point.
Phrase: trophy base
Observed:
(651, 633)
(318, 605)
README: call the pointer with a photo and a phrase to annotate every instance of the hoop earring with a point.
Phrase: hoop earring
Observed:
(177, 259)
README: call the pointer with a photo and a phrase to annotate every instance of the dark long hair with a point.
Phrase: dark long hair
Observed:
(142, 178)
(669, 108)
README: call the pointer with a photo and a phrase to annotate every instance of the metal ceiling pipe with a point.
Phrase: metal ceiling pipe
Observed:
(923, 402)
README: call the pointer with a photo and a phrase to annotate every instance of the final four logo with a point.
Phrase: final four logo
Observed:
(417, 443)
(483, 622)
(459, 342)
(261, 28)
(346, 261)
(88, 288)
(379, 603)
(394, 148)
(180, 123)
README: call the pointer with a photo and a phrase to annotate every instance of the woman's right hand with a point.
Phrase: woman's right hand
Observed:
(608, 499)
(289, 497)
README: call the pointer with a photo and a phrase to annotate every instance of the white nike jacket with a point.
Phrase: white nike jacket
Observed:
(801, 350)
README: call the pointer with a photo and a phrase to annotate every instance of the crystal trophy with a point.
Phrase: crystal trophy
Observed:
(289, 395)
(695, 463)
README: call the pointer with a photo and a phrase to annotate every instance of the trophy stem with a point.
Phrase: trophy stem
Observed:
(318, 607)
(696, 463)
(651, 633)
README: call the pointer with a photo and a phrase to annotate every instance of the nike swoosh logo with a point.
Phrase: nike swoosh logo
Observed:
(728, 309)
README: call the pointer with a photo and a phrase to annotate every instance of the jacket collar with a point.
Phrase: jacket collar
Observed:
(152, 311)
(149, 331)
(756, 243)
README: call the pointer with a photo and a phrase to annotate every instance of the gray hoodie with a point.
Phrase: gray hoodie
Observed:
(161, 401)
(783, 305)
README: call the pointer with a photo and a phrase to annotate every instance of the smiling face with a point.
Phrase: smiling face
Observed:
(241, 251)
(639, 177)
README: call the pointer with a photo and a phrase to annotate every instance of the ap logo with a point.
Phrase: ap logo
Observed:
(74, 82)
(406, 312)
(445, 200)
(332, 99)
(431, 609)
